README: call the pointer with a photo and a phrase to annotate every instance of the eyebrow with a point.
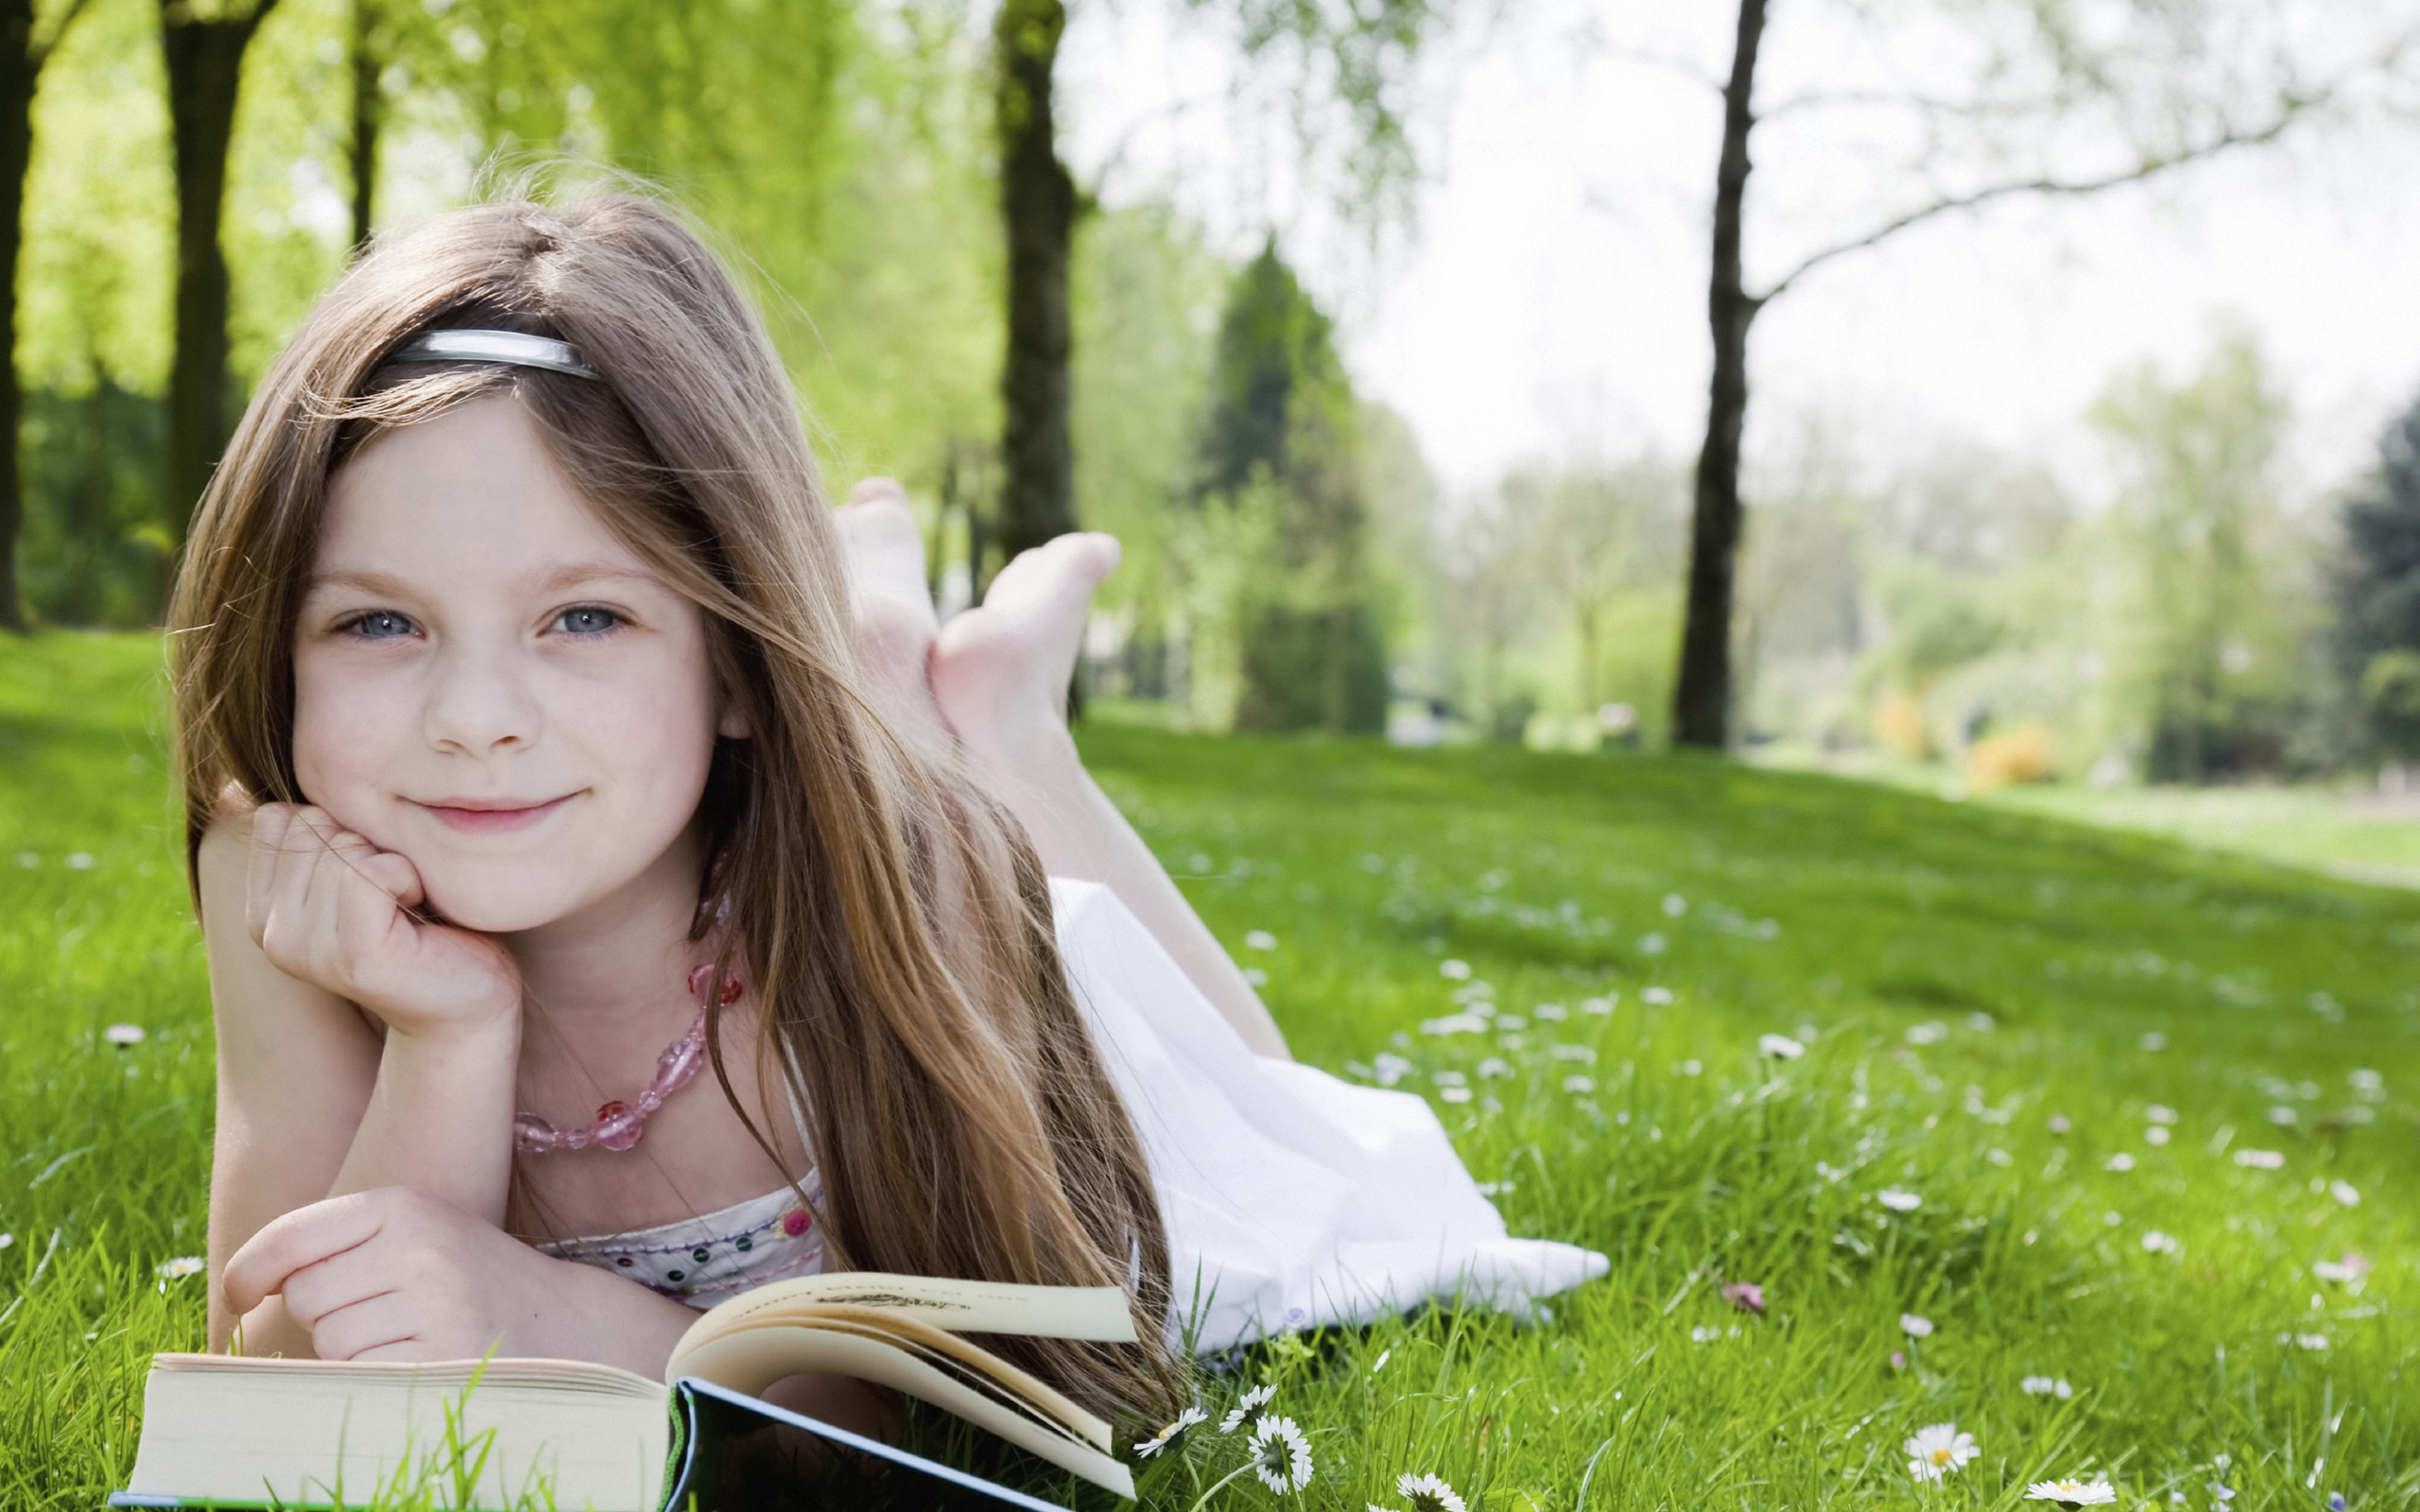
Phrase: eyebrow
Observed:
(571, 576)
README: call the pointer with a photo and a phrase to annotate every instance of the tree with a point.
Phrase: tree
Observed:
(1281, 437)
(25, 47)
(1363, 49)
(366, 57)
(204, 46)
(2377, 589)
(2199, 512)
(2140, 70)
(1038, 217)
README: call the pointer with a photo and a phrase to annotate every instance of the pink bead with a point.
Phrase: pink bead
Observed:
(618, 1125)
(794, 1222)
(533, 1134)
(678, 1063)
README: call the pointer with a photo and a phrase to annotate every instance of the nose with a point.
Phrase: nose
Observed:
(479, 701)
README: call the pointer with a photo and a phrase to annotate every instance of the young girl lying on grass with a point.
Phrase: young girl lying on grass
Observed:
(545, 738)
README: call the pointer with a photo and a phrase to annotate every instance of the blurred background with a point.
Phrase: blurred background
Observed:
(2007, 397)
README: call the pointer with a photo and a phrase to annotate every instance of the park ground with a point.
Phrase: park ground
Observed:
(2096, 1145)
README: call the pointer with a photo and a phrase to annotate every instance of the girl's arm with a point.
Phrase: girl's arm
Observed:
(296, 1066)
(337, 1225)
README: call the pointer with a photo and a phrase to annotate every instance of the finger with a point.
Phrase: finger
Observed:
(391, 874)
(340, 1280)
(284, 1244)
(382, 1326)
(869, 490)
(269, 822)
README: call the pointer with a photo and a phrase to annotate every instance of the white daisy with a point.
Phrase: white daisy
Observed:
(2046, 1387)
(124, 1033)
(1779, 1046)
(2260, 1160)
(181, 1268)
(1915, 1327)
(2119, 1161)
(1250, 1402)
(1260, 939)
(1427, 1493)
(1899, 1201)
(2155, 1243)
(1280, 1456)
(2073, 1492)
(2345, 1192)
(1937, 1449)
(1148, 1447)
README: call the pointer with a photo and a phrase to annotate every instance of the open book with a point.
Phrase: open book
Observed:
(228, 1431)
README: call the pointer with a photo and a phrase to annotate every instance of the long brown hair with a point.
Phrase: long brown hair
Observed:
(892, 921)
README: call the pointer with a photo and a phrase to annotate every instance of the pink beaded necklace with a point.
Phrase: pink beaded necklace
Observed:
(619, 1124)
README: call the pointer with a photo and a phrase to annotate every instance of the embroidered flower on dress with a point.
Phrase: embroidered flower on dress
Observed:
(1280, 1456)
(1146, 1448)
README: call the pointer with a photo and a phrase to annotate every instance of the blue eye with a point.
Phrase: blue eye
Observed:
(381, 625)
(587, 619)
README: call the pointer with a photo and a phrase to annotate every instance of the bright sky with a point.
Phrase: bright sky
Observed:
(1550, 302)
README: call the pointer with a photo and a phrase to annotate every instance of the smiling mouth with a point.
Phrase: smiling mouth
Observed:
(492, 817)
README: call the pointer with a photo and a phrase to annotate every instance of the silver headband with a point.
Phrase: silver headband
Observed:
(516, 347)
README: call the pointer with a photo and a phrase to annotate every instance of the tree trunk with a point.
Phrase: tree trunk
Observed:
(1701, 696)
(1038, 213)
(363, 148)
(205, 62)
(20, 67)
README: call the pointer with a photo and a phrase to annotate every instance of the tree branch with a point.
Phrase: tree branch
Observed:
(2294, 109)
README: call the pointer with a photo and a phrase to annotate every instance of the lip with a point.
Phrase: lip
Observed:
(491, 816)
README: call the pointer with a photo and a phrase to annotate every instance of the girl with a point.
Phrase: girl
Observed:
(548, 745)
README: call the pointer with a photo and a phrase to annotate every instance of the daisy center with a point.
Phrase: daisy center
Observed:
(1941, 1456)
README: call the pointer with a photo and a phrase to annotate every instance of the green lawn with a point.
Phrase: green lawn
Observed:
(1966, 980)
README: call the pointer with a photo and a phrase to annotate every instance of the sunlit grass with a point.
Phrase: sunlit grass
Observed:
(1957, 975)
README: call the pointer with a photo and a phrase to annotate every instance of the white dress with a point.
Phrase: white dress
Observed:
(1292, 1199)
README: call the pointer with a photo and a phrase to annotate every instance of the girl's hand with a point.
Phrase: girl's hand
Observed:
(328, 907)
(391, 1274)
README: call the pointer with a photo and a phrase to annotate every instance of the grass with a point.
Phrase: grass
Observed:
(1959, 973)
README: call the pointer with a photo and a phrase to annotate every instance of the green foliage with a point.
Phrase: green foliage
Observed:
(2211, 654)
(2377, 593)
(1688, 1158)
(1282, 435)
(95, 554)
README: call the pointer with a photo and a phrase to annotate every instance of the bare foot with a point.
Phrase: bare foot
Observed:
(891, 610)
(1000, 671)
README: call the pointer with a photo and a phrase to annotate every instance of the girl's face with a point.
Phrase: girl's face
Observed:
(491, 684)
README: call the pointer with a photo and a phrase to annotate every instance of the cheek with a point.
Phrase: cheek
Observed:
(655, 736)
(346, 727)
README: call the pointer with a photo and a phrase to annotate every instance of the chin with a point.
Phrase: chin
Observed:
(499, 899)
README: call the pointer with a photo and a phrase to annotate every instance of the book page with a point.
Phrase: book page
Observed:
(753, 1359)
(1029, 1391)
(241, 1429)
(1098, 1313)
